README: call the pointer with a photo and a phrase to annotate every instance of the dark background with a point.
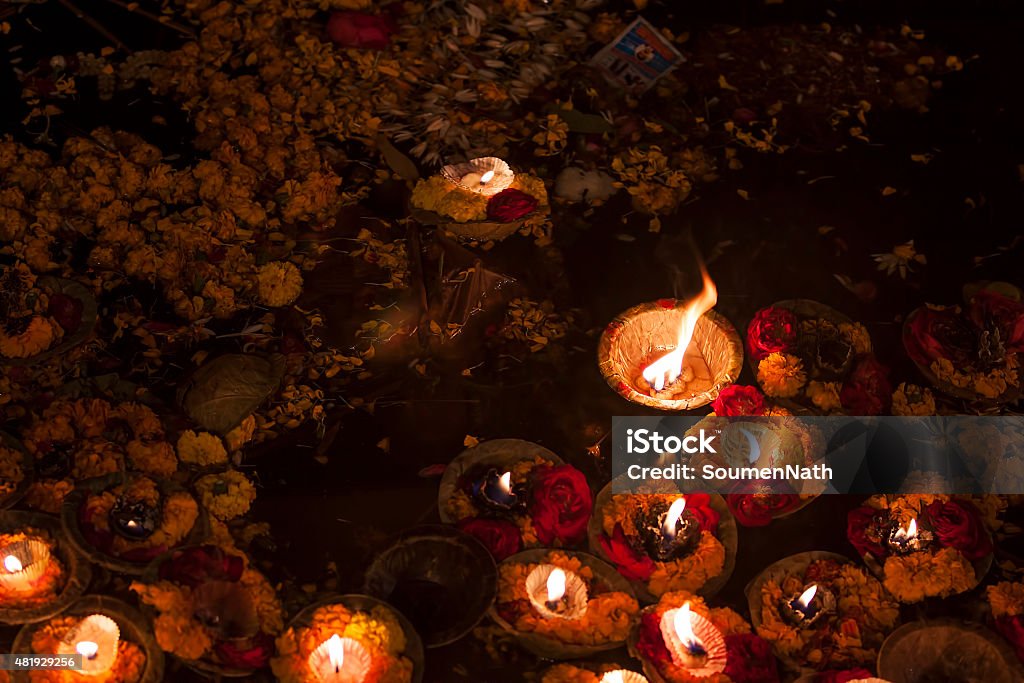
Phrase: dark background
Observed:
(345, 511)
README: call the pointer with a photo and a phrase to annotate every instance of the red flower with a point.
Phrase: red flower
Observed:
(758, 509)
(868, 390)
(843, 676)
(773, 330)
(193, 566)
(358, 29)
(253, 653)
(739, 400)
(989, 309)
(561, 504)
(510, 205)
(698, 506)
(939, 333)
(631, 563)
(66, 310)
(749, 659)
(650, 644)
(858, 522)
(1012, 628)
(500, 537)
(958, 525)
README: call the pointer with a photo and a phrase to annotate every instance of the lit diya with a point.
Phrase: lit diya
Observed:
(40, 574)
(563, 605)
(663, 540)
(349, 639)
(671, 355)
(807, 603)
(682, 640)
(110, 636)
(570, 673)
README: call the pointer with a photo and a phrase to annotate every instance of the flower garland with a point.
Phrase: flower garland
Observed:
(178, 513)
(46, 587)
(608, 617)
(129, 663)
(748, 657)
(525, 196)
(197, 580)
(824, 363)
(952, 538)
(377, 630)
(864, 615)
(622, 542)
(552, 509)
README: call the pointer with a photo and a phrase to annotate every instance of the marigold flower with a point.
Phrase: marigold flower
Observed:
(781, 375)
(280, 283)
(201, 449)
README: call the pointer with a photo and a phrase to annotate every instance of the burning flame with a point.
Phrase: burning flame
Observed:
(87, 649)
(807, 596)
(505, 483)
(684, 627)
(556, 585)
(336, 651)
(675, 513)
(12, 564)
(486, 177)
(613, 677)
(666, 369)
(908, 534)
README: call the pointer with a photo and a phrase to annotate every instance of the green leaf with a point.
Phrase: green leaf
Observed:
(582, 123)
(223, 392)
(398, 162)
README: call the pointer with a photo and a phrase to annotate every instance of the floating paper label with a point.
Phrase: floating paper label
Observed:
(638, 57)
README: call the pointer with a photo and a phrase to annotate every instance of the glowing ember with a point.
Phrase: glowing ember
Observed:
(669, 367)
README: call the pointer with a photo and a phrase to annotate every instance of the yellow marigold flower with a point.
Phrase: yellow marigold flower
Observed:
(781, 375)
(1006, 599)
(567, 673)
(36, 337)
(857, 336)
(48, 495)
(280, 283)
(180, 634)
(201, 449)
(913, 400)
(689, 573)
(914, 577)
(153, 458)
(227, 495)
(824, 395)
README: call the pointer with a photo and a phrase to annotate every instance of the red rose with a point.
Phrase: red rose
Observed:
(758, 509)
(358, 29)
(958, 525)
(939, 333)
(843, 676)
(698, 506)
(868, 390)
(1012, 628)
(193, 566)
(858, 521)
(510, 205)
(252, 653)
(561, 504)
(501, 537)
(631, 563)
(749, 659)
(773, 330)
(739, 400)
(66, 310)
(651, 645)
(989, 309)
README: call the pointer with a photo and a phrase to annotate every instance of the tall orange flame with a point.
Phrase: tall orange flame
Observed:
(666, 369)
